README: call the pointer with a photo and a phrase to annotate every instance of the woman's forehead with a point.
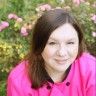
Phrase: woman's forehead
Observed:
(64, 31)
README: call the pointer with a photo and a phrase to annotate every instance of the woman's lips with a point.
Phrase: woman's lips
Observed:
(61, 61)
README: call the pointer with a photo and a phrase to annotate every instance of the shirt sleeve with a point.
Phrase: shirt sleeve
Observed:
(91, 88)
(12, 88)
(91, 78)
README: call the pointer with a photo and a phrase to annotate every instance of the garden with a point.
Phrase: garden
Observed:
(17, 18)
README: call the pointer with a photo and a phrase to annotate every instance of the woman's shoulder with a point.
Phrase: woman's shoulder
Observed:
(87, 58)
(87, 62)
(19, 70)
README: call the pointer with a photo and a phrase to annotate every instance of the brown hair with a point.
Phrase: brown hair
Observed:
(43, 28)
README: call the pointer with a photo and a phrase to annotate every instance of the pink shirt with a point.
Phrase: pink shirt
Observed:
(81, 81)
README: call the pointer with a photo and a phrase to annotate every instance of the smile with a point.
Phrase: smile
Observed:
(61, 61)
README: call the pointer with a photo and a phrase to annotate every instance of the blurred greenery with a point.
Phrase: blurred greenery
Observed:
(14, 46)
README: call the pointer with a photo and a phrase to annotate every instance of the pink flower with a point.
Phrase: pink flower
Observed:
(93, 18)
(24, 31)
(47, 7)
(44, 7)
(77, 2)
(3, 25)
(19, 20)
(94, 34)
(0, 28)
(12, 16)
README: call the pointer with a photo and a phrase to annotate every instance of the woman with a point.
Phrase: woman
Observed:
(57, 64)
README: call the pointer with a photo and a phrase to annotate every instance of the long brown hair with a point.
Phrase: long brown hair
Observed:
(43, 28)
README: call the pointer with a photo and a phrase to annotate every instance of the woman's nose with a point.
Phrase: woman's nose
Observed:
(62, 51)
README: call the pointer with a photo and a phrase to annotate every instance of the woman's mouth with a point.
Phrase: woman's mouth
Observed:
(61, 61)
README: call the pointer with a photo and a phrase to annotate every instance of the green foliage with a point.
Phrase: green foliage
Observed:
(14, 46)
(2, 88)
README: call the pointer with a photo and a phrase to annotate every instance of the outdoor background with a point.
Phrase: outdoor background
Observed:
(17, 18)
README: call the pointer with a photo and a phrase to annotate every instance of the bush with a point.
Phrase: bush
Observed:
(2, 88)
(17, 18)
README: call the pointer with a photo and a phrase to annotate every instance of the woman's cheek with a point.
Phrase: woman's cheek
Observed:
(49, 52)
(73, 50)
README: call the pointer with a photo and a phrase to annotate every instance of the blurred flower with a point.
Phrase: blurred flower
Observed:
(44, 7)
(94, 34)
(28, 26)
(87, 3)
(94, 5)
(77, 2)
(23, 31)
(3, 25)
(58, 8)
(93, 18)
(21, 55)
(67, 8)
(19, 20)
(0, 29)
(12, 16)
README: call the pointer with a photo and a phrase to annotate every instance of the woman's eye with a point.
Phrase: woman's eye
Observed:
(70, 43)
(52, 43)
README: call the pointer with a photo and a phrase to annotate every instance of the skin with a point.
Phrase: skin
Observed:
(60, 51)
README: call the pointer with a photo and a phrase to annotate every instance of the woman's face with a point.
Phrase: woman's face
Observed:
(61, 49)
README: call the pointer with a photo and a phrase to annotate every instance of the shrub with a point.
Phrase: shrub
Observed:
(17, 18)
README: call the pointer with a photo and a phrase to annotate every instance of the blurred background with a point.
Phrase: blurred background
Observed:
(17, 18)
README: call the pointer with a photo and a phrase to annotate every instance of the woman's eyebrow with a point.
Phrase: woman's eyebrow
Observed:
(51, 38)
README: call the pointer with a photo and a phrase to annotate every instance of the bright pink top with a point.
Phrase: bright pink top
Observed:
(81, 81)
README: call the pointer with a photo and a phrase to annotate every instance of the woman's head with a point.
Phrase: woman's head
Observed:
(47, 23)
(61, 49)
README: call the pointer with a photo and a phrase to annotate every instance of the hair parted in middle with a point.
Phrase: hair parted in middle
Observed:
(43, 28)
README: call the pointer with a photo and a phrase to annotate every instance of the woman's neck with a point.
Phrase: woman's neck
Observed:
(56, 76)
